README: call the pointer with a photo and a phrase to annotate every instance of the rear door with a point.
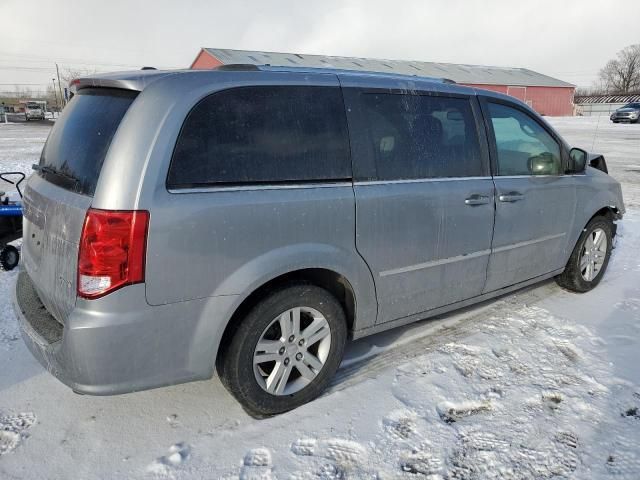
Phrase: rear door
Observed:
(424, 199)
(535, 200)
(58, 195)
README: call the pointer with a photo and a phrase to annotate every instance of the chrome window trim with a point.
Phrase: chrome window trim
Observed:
(296, 186)
(418, 180)
(527, 176)
(245, 188)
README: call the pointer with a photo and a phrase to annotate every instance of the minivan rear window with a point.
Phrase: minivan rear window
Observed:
(263, 134)
(78, 143)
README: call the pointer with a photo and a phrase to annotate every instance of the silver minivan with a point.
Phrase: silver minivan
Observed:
(250, 220)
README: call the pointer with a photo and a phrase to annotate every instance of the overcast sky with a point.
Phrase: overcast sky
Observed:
(568, 39)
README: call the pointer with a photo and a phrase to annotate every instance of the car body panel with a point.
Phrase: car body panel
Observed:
(420, 239)
(52, 223)
(538, 226)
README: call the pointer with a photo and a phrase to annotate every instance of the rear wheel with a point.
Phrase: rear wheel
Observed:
(286, 350)
(9, 257)
(589, 258)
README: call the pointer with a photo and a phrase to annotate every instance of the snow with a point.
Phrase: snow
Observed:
(542, 383)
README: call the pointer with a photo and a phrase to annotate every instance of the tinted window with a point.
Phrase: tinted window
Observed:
(263, 135)
(420, 136)
(524, 146)
(80, 138)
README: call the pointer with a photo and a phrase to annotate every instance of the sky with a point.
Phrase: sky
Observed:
(568, 39)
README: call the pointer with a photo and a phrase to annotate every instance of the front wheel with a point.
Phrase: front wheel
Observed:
(589, 258)
(285, 351)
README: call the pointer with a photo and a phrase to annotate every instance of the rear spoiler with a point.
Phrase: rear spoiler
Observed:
(137, 80)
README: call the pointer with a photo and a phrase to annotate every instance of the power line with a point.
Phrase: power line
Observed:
(75, 61)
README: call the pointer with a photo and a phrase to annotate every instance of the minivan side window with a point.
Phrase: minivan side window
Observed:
(263, 134)
(524, 147)
(421, 136)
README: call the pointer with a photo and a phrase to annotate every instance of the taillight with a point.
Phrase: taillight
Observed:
(112, 251)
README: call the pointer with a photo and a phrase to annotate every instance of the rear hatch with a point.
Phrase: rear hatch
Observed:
(61, 190)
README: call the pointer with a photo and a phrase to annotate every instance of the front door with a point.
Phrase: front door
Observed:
(424, 209)
(535, 201)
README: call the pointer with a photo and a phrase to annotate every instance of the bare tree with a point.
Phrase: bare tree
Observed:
(70, 73)
(52, 97)
(622, 74)
(24, 93)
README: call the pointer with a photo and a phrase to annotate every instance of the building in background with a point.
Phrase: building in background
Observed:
(547, 95)
(594, 105)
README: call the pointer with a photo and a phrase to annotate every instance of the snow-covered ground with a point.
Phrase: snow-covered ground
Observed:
(539, 384)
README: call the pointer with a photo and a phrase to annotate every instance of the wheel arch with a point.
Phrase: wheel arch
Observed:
(611, 212)
(332, 281)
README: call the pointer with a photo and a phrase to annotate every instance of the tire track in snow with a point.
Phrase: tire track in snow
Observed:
(469, 322)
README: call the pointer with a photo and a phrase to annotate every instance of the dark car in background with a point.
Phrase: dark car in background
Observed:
(629, 113)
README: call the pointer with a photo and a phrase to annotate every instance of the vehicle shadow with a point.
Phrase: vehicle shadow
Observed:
(19, 364)
(368, 356)
(19, 118)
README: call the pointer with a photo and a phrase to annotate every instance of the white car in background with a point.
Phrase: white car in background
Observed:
(33, 111)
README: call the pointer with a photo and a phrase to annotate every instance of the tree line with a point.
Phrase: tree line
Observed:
(620, 76)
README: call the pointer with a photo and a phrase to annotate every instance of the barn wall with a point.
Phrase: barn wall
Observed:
(550, 101)
(205, 61)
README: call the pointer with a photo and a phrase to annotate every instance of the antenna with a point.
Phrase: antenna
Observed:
(595, 135)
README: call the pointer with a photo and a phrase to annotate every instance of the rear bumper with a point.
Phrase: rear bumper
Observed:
(126, 345)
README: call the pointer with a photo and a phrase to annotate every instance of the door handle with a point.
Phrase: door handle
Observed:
(476, 199)
(511, 197)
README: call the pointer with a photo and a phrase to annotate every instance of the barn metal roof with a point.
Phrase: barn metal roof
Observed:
(607, 99)
(459, 73)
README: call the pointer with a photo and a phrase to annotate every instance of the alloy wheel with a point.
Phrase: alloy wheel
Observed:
(594, 252)
(292, 351)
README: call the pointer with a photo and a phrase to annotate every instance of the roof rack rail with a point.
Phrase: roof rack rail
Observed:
(148, 68)
(238, 67)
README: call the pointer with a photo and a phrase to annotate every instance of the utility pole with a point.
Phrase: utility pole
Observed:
(55, 94)
(59, 85)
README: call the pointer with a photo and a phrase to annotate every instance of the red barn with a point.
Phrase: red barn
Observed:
(547, 95)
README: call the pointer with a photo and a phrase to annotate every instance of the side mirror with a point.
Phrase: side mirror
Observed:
(578, 160)
(598, 162)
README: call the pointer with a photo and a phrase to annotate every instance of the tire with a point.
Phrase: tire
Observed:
(248, 384)
(9, 257)
(577, 279)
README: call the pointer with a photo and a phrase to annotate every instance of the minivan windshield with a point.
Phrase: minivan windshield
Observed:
(77, 146)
